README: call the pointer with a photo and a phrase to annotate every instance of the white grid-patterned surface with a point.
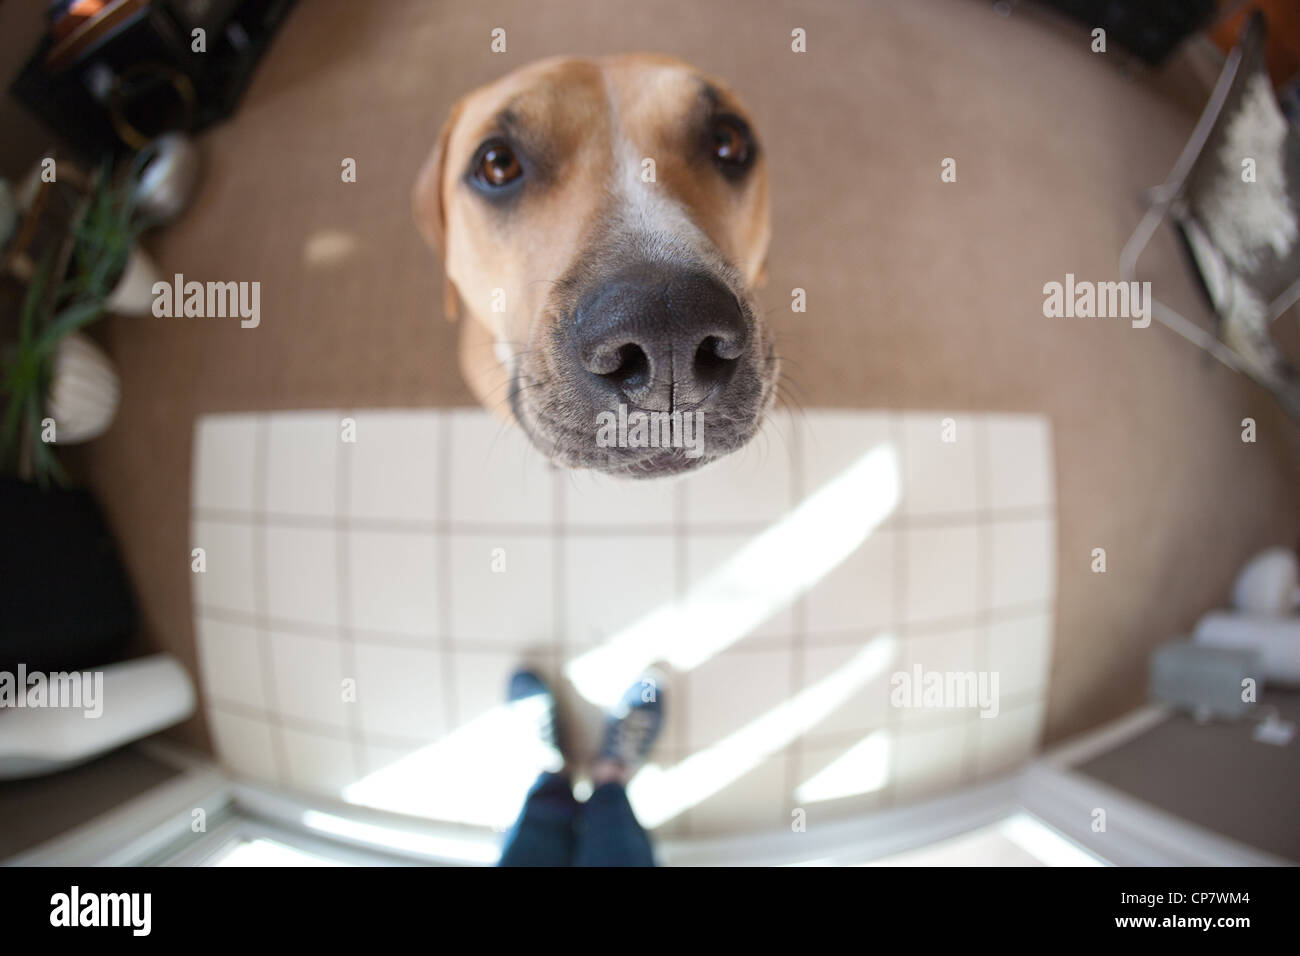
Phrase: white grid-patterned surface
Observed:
(364, 601)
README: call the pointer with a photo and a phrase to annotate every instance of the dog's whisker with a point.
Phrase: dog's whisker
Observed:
(512, 391)
(792, 395)
(789, 383)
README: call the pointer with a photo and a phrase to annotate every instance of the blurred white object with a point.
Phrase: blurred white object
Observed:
(169, 179)
(1269, 583)
(83, 391)
(134, 699)
(133, 294)
(1274, 731)
(1203, 679)
(1277, 639)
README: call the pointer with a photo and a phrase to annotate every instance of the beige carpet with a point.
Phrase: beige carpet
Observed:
(922, 295)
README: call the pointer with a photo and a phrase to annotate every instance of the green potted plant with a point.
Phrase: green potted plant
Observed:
(70, 289)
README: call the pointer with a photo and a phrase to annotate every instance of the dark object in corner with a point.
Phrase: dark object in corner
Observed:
(1149, 29)
(130, 73)
(65, 602)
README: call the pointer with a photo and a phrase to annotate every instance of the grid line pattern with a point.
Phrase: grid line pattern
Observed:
(956, 573)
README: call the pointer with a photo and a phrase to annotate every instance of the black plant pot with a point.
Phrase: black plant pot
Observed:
(65, 602)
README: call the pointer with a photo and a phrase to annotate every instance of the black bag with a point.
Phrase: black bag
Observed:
(65, 602)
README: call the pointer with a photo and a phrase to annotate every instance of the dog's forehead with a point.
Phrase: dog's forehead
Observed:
(659, 90)
(654, 94)
(574, 99)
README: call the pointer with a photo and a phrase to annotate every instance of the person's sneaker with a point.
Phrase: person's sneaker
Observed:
(532, 703)
(633, 724)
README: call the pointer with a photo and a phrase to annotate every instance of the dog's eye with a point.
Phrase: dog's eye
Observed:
(496, 164)
(731, 143)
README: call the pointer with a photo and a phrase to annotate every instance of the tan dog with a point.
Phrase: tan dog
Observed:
(604, 222)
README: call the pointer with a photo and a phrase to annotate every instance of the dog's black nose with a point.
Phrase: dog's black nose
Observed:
(660, 337)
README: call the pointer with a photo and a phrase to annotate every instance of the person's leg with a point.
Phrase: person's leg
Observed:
(608, 833)
(544, 833)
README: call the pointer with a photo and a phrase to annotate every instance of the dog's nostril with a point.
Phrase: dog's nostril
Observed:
(715, 358)
(628, 367)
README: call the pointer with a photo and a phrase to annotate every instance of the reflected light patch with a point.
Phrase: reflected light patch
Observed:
(862, 769)
(477, 774)
(1043, 843)
(658, 795)
(446, 848)
(328, 247)
(260, 852)
(766, 575)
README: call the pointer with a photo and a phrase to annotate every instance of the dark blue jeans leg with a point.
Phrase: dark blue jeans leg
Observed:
(543, 834)
(608, 833)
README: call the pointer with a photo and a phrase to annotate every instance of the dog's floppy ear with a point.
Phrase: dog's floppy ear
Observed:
(430, 216)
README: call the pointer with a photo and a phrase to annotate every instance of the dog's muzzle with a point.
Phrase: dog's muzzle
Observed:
(659, 369)
(658, 338)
